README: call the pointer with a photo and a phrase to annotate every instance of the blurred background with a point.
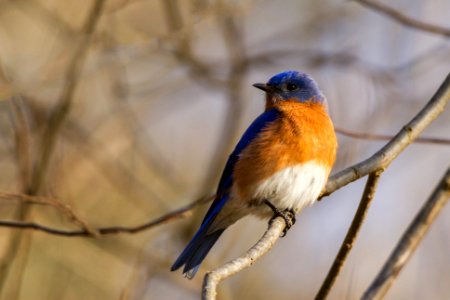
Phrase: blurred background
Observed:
(124, 110)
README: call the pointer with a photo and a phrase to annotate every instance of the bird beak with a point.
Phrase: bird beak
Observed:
(263, 86)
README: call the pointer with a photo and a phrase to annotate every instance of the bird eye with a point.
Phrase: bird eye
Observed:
(291, 87)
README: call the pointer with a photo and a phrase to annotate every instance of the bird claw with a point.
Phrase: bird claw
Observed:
(287, 215)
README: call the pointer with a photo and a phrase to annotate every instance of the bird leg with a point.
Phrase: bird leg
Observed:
(288, 215)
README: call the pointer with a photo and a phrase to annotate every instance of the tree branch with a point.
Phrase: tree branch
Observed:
(347, 243)
(405, 20)
(213, 278)
(383, 157)
(173, 215)
(62, 207)
(410, 240)
(383, 137)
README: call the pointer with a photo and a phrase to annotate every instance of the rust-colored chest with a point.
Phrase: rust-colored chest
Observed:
(303, 133)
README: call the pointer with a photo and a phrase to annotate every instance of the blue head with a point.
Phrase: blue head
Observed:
(292, 85)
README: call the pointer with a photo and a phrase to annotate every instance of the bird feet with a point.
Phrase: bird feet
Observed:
(288, 215)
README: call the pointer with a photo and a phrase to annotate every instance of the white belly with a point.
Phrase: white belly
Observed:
(293, 187)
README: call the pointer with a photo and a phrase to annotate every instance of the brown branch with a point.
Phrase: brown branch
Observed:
(213, 278)
(410, 240)
(405, 20)
(347, 243)
(62, 207)
(171, 216)
(383, 157)
(383, 137)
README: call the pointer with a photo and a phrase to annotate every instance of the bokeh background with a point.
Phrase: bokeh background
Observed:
(127, 109)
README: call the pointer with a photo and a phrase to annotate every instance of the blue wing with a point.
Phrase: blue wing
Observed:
(226, 180)
(202, 242)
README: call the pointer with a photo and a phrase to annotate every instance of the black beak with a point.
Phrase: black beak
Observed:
(263, 86)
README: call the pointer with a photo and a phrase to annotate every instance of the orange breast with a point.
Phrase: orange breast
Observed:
(304, 132)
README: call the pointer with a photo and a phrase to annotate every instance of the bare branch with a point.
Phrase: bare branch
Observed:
(347, 243)
(383, 157)
(383, 137)
(171, 216)
(213, 278)
(405, 20)
(62, 207)
(410, 240)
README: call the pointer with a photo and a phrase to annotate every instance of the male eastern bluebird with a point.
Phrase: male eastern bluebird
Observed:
(280, 165)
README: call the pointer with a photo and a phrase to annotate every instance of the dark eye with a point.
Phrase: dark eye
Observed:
(291, 87)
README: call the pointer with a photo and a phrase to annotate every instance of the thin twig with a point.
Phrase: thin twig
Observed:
(383, 137)
(213, 278)
(173, 215)
(62, 207)
(405, 20)
(410, 240)
(383, 157)
(347, 243)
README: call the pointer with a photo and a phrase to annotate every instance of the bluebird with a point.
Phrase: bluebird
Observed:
(279, 166)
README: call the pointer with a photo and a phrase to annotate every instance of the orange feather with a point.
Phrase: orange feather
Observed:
(303, 133)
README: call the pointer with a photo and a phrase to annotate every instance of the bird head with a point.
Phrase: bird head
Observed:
(291, 86)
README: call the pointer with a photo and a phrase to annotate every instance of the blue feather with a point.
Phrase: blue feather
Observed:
(202, 242)
(197, 249)
(226, 180)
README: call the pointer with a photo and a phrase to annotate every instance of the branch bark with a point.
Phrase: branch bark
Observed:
(410, 240)
(213, 278)
(173, 215)
(347, 243)
(62, 207)
(383, 157)
(384, 137)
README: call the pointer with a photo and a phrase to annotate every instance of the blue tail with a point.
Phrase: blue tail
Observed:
(196, 251)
